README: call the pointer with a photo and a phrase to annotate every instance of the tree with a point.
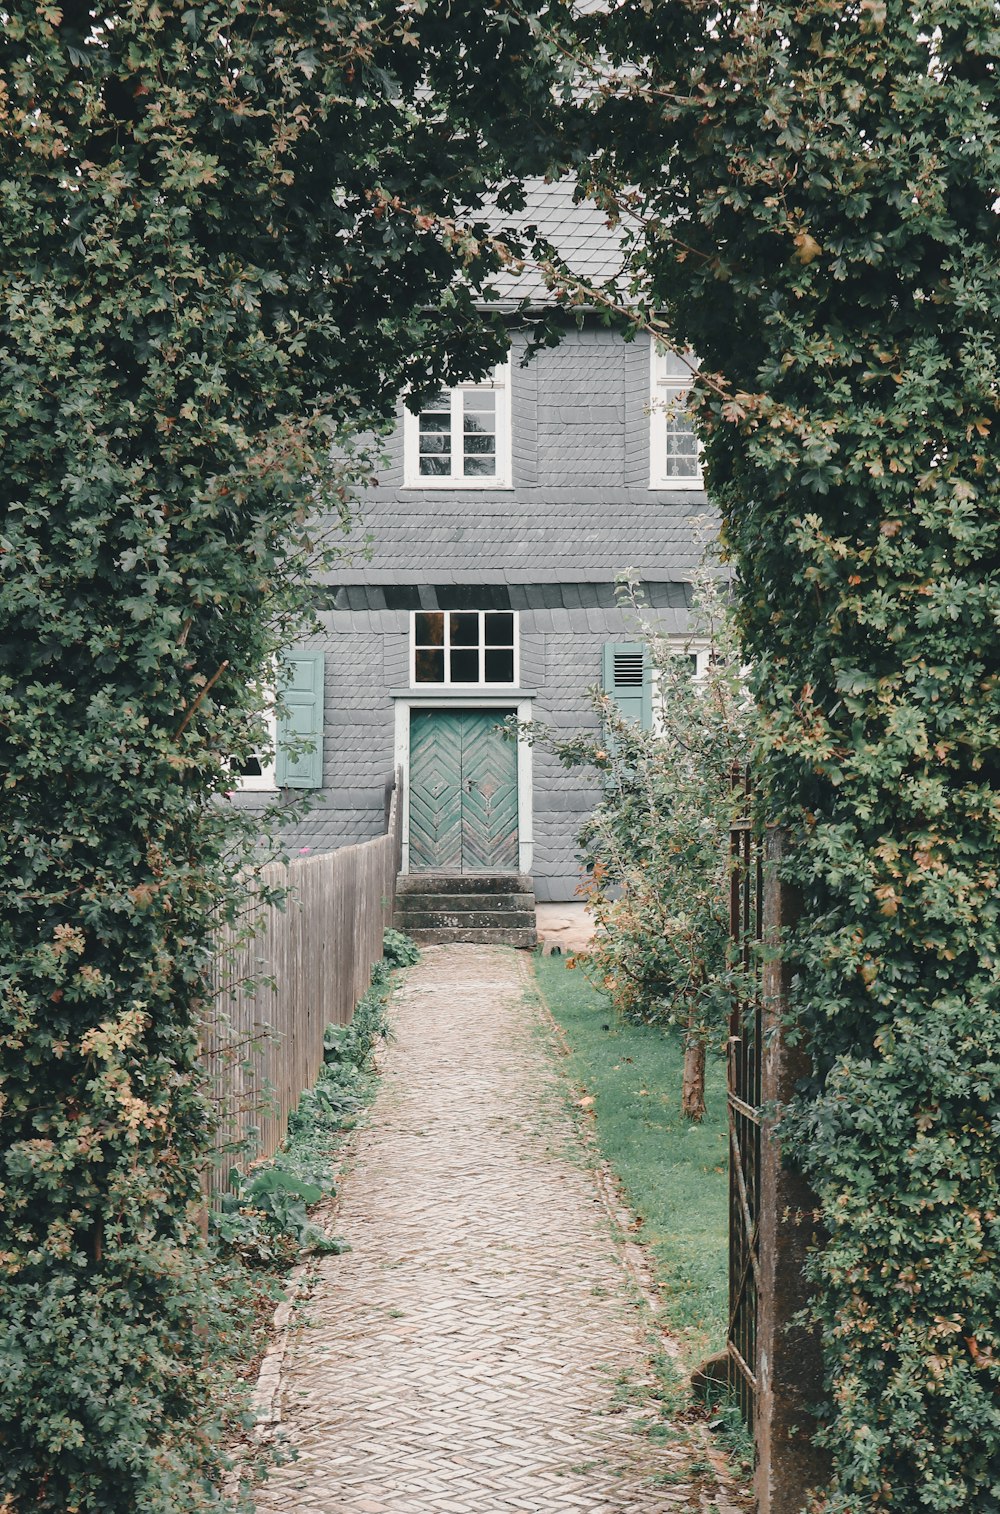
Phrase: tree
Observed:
(201, 291)
(655, 848)
(813, 192)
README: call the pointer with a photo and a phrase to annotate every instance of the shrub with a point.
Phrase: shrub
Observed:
(398, 949)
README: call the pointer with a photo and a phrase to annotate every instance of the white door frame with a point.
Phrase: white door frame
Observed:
(521, 705)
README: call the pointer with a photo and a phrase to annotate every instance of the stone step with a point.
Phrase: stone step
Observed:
(448, 918)
(439, 909)
(449, 936)
(464, 883)
(445, 900)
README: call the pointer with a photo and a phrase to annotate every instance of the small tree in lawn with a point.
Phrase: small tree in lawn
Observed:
(656, 847)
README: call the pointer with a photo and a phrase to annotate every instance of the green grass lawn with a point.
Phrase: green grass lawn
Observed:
(672, 1173)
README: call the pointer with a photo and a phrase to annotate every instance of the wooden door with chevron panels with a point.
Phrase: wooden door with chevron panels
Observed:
(463, 793)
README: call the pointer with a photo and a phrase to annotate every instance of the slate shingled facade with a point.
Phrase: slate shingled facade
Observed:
(579, 512)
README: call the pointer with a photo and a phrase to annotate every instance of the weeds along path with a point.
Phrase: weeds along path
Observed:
(480, 1350)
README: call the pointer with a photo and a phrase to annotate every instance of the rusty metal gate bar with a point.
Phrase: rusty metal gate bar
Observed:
(744, 1062)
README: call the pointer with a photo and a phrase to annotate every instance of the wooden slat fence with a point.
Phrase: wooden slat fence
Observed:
(305, 967)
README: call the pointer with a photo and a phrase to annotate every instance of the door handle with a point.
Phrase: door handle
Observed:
(469, 785)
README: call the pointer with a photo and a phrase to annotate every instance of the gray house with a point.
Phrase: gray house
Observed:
(505, 513)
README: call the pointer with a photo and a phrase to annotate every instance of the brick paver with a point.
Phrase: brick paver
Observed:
(480, 1350)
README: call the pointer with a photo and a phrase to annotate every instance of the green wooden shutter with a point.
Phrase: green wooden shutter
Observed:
(302, 694)
(628, 679)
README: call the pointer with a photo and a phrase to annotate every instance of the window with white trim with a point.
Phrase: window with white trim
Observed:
(464, 648)
(255, 773)
(674, 450)
(697, 656)
(461, 438)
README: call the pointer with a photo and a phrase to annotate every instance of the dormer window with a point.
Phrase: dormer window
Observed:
(464, 648)
(674, 450)
(461, 439)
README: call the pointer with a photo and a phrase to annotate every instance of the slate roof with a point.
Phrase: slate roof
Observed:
(579, 232)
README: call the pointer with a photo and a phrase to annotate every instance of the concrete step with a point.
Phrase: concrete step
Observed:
(464, 883)
(446, 917)
(446, 900)
(438, 909)
(449, 936)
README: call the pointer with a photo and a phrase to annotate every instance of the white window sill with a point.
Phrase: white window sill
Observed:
(491, 693)
(688, 485)
(478, 485)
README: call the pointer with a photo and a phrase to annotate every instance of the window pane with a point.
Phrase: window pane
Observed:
(670, 365)
(434, 441)
(429, 628)
(429, 666)
(465, 665)
(500, 666)
(479, 426)
(250, 768)
(465, 630)
(682, 458)
(681, 445)
(499, 628)
(480, 410)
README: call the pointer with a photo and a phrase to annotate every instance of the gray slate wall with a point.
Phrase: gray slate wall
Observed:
(366, 656)
(581, 508)
(580, 512)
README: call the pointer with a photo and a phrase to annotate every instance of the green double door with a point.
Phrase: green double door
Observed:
(463, 793)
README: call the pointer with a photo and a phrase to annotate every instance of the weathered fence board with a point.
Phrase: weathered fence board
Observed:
(304, 967)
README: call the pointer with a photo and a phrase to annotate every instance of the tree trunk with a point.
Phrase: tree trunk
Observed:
(693, 1084)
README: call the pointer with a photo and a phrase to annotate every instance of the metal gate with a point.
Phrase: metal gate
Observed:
(744, 1063)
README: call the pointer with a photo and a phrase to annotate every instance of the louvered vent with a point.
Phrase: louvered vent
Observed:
(628, 670)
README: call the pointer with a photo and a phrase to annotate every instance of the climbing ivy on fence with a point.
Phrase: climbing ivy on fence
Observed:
(816, 194)
(202, 305)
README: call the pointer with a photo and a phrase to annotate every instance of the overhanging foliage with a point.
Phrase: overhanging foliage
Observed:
(818, 193)
(200, 292)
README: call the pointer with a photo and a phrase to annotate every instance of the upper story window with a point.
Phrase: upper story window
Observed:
(468, 647)
(674, 452)
(461, 439)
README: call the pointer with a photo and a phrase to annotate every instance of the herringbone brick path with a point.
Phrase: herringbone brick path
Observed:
(479, 1350)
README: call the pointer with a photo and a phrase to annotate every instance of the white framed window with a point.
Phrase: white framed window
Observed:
(698, 657)
(464, 649)
(256, 773)
(461, 438)
(674, 450)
